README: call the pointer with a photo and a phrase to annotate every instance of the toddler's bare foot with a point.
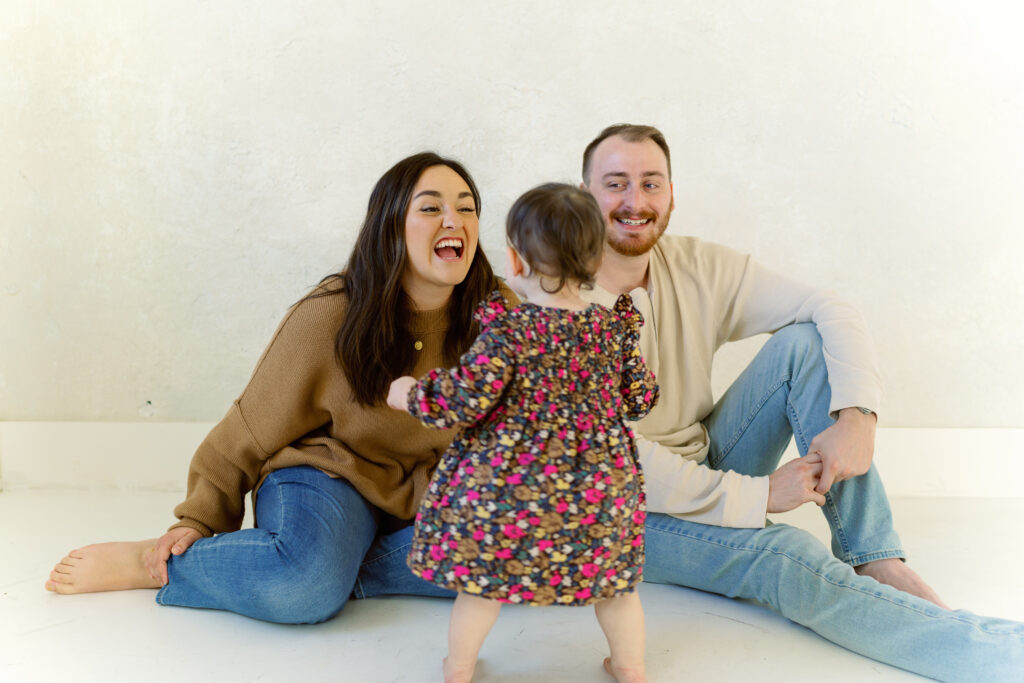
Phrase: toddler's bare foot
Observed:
(103, 567)
(455, 673)
(896, 573)
(626, 674)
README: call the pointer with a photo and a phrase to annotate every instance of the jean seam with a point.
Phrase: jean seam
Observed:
(738, 434)
(803, 564)
(378, 558)
(832, 510)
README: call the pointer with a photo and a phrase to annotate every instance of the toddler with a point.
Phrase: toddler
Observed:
(539, 500)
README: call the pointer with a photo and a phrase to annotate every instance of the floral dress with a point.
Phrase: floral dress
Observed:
(539, 499)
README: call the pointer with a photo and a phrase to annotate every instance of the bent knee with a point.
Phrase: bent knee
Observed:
(798, 336)
(304, 592)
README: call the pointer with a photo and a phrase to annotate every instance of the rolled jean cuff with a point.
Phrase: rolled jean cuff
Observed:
(876, 555)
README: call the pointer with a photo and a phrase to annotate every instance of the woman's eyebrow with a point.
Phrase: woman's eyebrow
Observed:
(435, 193)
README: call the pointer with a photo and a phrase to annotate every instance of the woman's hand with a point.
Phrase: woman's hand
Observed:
(175, 541)
(398, 395)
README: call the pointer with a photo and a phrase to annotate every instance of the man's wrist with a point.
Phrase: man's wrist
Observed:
(857, 412)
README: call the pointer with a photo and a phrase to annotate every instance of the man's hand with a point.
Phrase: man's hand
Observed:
(846, 448)
(793, 484)
(175, 541)
(398, 395)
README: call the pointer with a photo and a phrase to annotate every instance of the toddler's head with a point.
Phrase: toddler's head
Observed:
(558, 230)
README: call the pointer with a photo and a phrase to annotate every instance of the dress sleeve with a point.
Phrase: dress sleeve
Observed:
(639, 389)
(463, 395)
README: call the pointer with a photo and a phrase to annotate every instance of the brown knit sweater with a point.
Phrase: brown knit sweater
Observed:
(297, 410)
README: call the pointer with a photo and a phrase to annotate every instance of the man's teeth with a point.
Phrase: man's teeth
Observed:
(627, 221)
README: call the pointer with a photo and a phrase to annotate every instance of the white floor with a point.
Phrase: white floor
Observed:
(962, 546)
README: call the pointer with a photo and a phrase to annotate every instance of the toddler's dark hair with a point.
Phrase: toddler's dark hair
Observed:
(558, 230)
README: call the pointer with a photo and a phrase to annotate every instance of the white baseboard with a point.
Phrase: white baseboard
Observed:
(977, 463)
(85, 455)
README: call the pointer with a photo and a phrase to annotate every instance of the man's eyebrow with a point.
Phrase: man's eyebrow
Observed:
(623, 174)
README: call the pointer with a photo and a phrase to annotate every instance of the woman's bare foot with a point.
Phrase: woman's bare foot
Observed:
(626, 674)
(895, 572)
(454, 673)
(103, 567)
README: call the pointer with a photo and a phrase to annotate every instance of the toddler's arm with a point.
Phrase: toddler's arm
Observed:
(460, 396)
(639, 388)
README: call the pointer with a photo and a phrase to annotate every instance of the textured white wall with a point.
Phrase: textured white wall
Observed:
(174, 174)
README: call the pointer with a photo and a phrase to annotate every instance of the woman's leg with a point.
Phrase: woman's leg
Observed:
(297, 566)
(622, 620)
(385, 572)
(472, 619)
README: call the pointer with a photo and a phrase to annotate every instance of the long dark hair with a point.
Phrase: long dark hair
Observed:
(372, 345)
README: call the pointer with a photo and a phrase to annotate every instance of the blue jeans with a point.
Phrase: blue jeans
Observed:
(317, 543)
(784, 393)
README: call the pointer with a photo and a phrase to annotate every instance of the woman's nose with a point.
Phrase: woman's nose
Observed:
(452, 219)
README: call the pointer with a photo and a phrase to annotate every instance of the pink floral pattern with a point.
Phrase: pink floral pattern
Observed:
(540, 498)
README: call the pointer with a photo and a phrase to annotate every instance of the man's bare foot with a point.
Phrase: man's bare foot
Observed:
(896, 573)
(103, 567)
(454, 673)
(625, 674)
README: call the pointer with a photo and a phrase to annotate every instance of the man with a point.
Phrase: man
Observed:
(710, 468)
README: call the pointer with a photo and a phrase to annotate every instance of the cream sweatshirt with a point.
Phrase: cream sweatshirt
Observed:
(701, 295)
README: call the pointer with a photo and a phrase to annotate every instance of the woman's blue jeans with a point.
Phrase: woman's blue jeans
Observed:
(318, 543)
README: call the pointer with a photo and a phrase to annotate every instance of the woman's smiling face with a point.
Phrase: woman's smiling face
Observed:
(441, 231)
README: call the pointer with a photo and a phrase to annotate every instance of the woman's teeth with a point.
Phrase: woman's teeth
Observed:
(449, 248)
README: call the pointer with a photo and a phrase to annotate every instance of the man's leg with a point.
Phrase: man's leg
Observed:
(784, 393)
(298, 565)
(788, 570)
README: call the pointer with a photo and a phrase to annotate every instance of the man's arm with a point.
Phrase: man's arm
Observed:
(765, 301)
(695, 492)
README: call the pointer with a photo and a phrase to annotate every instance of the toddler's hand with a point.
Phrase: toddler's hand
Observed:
(398, 395)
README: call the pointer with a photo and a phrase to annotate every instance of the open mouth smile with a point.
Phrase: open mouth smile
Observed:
(633, 223)
(449, 249)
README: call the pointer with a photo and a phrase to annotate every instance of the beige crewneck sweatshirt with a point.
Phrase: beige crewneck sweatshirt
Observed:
(700, 296)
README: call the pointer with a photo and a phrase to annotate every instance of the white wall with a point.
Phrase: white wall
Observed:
(174, 174)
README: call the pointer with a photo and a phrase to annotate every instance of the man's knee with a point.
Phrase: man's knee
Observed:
(800, 338)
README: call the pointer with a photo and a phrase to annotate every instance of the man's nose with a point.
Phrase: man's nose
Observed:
(632, 198)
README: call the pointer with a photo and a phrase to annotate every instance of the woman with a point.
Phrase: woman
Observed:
(338, 474)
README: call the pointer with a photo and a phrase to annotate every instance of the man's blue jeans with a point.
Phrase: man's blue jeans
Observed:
(784, 393)
(318, 543)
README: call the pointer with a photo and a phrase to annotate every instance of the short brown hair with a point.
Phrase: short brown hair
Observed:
(630, 133)
(558, 230)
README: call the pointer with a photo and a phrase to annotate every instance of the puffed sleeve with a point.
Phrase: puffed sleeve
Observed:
(464, 394)
(639, 388)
